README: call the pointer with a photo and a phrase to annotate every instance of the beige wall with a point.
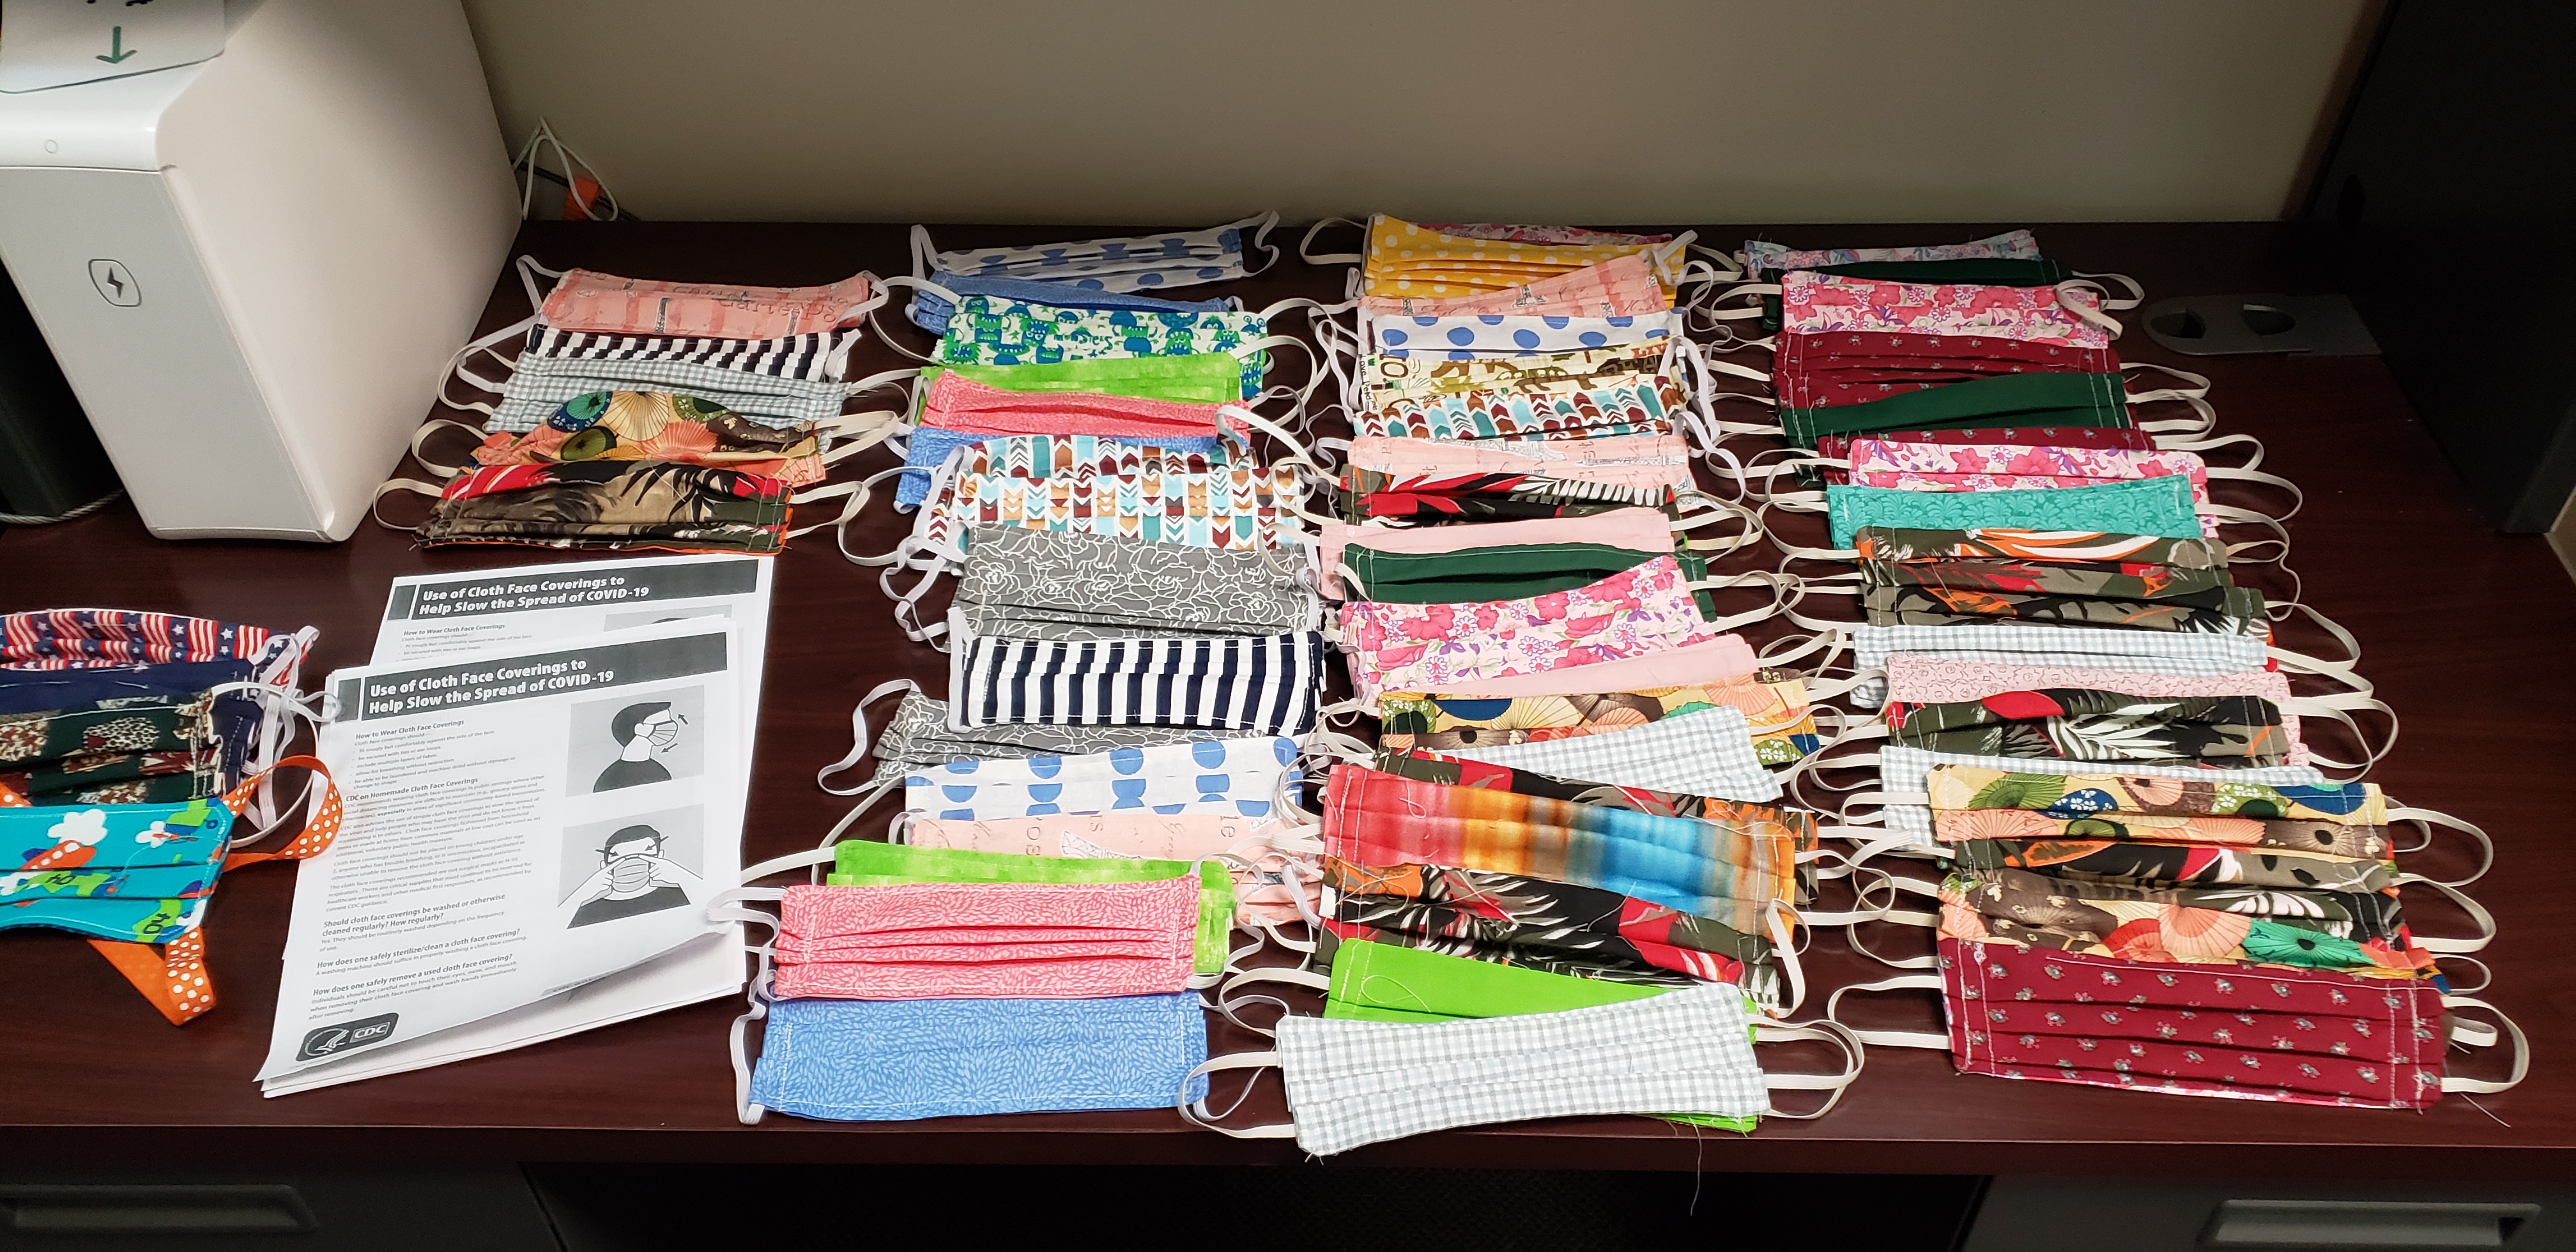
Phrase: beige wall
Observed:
(1596, 111)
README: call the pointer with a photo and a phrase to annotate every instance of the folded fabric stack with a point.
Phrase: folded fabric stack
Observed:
(2082, 720)
(641, 413)
(129, 742)
(1133, 647)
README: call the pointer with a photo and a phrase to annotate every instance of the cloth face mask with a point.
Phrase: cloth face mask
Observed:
(2144, 506)
(918, 736)
(1835, 403)
(2086, 725)
(1266, 890)
(1405, 260)
(1352, 1083)
(1619, 287)
(1207, 378)
(2078, 795)
(900, 1060)
(958, 410)
(1762, 256)
(1707, 753)
(1531, 923)
(1252, 684)
(1970, 467)
(1914, 679)
(136, 749)
(1727, 872)
(1634, 529)
(1429, 766)
(979, 940)
(1813, 304)
(1646, 469)
(1412, 647)
(930, 309)
(660, 426)
(586, 300)
(1493, 334)
(2150, 652)
(538, 390)
(1104, 488)
(1132, 263)
(991, 331)
(814, 357)
(2301, 1037)
(2358, 934)
(1385, 982)
(1039, 584)
(1498, 573)
(612, 505)
(1902, 772)
(2013, 438)
(1390, 381)
(866, 863)
(135, 879)
(1774, 704)
(1981, 841)
(1223, 777)
(1644, 406)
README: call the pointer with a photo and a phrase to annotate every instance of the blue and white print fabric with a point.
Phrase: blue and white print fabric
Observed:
(930, 310)
(898, 1060)
(1465, 337)
(929, 446)
(987, 330)
(1134, 263)
(1222, 777)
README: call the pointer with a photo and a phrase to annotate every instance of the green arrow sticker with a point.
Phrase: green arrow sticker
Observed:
(116, 49)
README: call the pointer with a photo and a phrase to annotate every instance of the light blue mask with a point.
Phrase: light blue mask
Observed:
(900, 1060)
(2139, 506)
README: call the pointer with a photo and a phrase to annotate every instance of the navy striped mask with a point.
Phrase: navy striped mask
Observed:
(1248, 685)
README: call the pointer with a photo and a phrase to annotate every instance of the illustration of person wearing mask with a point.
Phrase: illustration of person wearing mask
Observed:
(634, 879)
(640, 731)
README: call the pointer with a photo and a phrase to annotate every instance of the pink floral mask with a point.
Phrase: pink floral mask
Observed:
(1442, 647)
(2001, 467)
(2067, 316)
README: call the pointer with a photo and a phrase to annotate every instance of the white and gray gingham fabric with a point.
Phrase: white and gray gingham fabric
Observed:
(1353, 1082)
(1707, 753)
(539, 386)
(1906, 771)
(2178, 653)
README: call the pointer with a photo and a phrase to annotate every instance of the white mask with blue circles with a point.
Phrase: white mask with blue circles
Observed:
(1223, 777)
(1466, 337)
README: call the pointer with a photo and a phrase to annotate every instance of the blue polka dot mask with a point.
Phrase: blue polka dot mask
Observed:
(1469, 337)
(1135, 263)
(1225, 777)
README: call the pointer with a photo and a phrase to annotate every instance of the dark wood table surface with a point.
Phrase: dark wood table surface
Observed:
(2468, 633)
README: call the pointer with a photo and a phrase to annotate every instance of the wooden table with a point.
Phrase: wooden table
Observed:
(2467, 632)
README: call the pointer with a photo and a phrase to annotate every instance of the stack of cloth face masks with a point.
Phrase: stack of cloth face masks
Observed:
(1540, 649)
(130, 744)
(931, 982)
(641, 413)
(1133, 647)
(2079, 714)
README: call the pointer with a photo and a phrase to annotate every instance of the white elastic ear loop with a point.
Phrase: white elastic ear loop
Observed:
(757, 1000)
(1197, 1112)
(1262, 225)
(1890, 1038)
(2087, 309)
(859, 734)
(1307, 242)
(2478, 917)
(2428, 819)
(2136, 295)
(1844, 1038)
(2521, 1049)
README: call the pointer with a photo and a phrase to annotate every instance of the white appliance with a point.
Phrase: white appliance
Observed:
(253, 268)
